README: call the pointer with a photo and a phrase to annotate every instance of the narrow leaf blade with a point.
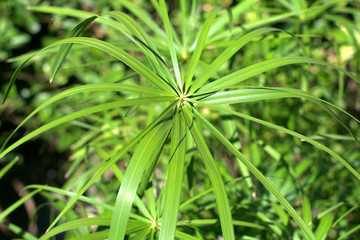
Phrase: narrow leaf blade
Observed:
(65, 49)
(174, 179)
(147, 151)
(222, 200)
(309, 234)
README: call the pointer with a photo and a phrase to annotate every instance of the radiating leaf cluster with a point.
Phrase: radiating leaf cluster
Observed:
(183, 90)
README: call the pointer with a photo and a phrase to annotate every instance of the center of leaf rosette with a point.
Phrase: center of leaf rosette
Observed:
(183, 99)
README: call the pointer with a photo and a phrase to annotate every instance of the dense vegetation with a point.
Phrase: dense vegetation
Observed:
(180, 119)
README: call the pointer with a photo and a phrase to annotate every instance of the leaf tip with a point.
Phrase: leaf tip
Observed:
(4, 99)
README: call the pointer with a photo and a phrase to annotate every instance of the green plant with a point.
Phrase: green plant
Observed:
(184, 93)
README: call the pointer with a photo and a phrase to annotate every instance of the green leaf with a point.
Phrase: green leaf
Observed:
(150, 196)
(254, 94)
(19, 231)
(222, 200)
(324, 226)
(8, 166)
(232, 133)
(351, 231)
(65, 49)
(254, 147)
(87, 88)
(221, 22)
(142, 234)
(295, 134)
(119, 54)
(255, 69)
(119, 175)
(61, 11)
(226, 55)
(204, 193)
(184, 236)
(137, 35)
(281, 213)
(230, 16)
(82, 113)
(247, 224)
(110, 162)
(306, 211)
(204, 222)
(219, 34)
(147, 151)
(273, 226)
(245, 95)
(173, 184)
(344, 215)
(16, 204)
(93, 236)
(169, 34)
(258, 175)
(328, 210)
(144, 17)
(200, 44)
(185, 24)
(321, 102)
(130, 24)
(70, 194)
(96, 221)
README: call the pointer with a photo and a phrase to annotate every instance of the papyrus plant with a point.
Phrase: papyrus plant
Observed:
(182, 89)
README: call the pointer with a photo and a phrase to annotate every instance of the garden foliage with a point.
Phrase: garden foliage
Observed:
(203, 120)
